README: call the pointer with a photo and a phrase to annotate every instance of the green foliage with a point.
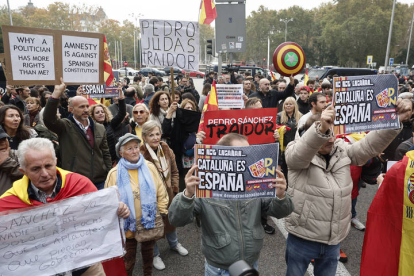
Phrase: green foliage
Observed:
(343, 32)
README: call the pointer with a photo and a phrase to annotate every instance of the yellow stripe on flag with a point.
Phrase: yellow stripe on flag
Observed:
(406, 266)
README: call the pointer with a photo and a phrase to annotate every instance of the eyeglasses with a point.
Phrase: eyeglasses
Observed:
(138, 111)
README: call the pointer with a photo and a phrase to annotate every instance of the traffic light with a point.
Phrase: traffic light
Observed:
(211, 49)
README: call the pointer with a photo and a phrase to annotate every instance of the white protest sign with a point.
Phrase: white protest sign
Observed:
(170, 43)
(59, 237)
(230, 95)
(32, 56)
(80, 59)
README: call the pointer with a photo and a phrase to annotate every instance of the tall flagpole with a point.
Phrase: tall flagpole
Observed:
(409, 40)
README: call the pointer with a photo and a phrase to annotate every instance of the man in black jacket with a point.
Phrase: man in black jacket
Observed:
(23, 93)
(270, 98)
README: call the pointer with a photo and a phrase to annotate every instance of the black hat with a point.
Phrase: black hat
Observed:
(3, 133)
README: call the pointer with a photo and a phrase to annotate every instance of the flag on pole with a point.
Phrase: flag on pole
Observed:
(207, 12)
(273, 76)
(108, 74)
(389, 236)
(305, 80)
(210, 104)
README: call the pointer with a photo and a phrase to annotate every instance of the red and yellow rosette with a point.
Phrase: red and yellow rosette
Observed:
(289, 59)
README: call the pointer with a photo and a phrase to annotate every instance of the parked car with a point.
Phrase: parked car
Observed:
(128, 70)
(158, 73)
(177, 70)
(196, 74)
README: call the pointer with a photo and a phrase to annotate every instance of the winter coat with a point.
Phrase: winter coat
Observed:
(172, 184)
(77, 155)
(9, 172)
(321, 191)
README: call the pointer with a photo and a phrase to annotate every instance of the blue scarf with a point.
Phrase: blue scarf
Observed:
(147, 193)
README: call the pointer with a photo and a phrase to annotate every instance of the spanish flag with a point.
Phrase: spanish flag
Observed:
(388, 247)
(210, 104)
(207, 12)
(108, 74)
(273, 76)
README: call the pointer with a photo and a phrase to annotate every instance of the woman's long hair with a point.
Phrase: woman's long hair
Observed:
(108, 114)
(153, 104)
(284, 118)
(22, 132)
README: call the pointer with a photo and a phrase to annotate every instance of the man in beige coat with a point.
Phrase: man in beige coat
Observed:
(320, 185)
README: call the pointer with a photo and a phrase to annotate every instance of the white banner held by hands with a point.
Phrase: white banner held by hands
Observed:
(58, 237)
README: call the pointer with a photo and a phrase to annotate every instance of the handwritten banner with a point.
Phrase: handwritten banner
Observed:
(257, 125)
(230, 95)
(365, 103)
(62, 236)
(236, 172)
(43, 56)
(170, 43)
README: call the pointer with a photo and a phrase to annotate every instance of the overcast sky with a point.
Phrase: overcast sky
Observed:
(169, 9)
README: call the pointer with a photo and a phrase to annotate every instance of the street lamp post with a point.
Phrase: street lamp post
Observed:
(10, 15)
(286, 22)
(409, 40)
(135, 26)
(387, 54)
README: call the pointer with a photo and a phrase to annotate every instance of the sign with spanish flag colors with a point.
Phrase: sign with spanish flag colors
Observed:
(365, 103)
(236, 172)
(389, 236)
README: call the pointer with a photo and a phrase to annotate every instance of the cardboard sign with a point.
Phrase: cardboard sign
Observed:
(230, 95)
(236, 172)
(365, 103)
(62, 236)
(103, 91)
(170, 43)
(43, 56)
(258, 125)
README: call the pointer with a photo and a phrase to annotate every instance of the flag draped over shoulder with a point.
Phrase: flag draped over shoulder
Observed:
(207, 12)
(210, 104)
(108, 74)
(389, 238)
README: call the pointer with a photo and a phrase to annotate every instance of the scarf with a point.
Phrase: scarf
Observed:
(147, 190)
(162, 115)
(160, 162)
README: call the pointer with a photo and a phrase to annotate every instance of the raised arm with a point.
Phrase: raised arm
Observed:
(52, 122)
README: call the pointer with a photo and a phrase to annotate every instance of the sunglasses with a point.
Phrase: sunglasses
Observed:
(138, 111)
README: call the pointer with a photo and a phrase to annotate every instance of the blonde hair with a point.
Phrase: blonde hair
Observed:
(108, 114)
(284, 117)
(34, 100)
(148, 127)
(145, 108)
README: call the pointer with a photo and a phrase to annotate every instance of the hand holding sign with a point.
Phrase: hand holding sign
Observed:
(327, 119)
(171, 110)
(121, 93)
(292, 80)
(191, 181)
(404, 109)
(59, 89)
(123, 210)
(280, 184)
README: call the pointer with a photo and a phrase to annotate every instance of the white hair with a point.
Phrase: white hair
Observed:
(38, 144)
(148, 89)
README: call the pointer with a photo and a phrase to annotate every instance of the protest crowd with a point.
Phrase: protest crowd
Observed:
(58, 143)
(143, 142)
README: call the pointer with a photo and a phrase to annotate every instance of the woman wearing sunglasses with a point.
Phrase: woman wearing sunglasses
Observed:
(140, 115)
